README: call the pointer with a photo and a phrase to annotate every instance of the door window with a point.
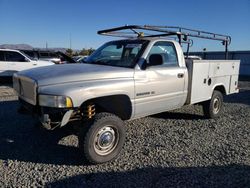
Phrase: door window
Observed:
(167, 51)
(2, 56)
(14, 57)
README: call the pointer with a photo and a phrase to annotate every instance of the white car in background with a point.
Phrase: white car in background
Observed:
(12, 61)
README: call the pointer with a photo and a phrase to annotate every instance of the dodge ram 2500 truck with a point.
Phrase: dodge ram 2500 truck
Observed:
(123, 80)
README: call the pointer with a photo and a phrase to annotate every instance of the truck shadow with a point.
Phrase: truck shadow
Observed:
(21, 140)
(178, 115)
(212, 176)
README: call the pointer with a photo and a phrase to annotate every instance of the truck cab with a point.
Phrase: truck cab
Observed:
(160, 78)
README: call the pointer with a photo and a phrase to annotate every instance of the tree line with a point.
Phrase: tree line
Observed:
(83, 52)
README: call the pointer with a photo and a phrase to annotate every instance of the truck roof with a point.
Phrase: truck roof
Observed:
(6, 49)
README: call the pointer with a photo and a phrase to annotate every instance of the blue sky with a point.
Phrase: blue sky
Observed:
(36, 22)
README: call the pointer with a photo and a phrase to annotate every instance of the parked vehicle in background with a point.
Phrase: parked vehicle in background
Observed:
(77, 57)
(43, 55)
(48, 55)
(65, 59)
(12, 61)
(124, 80)
(82, 59)
(55, 57)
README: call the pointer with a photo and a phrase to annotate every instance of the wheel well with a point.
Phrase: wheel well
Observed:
(220, 88)
(119, 105)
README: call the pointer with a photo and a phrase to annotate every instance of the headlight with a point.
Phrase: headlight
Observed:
(55, 101)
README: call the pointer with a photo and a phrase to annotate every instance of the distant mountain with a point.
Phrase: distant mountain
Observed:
(29, 47)
(53, 49)
(17, 46)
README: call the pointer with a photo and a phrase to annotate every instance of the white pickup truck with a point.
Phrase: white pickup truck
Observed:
(12, 61)
(124, 80)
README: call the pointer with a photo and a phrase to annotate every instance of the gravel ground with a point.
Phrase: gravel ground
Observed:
(173, 149)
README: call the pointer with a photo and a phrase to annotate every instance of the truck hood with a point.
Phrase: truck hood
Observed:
(64, 73)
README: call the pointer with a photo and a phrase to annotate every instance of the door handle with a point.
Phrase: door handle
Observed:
(180, 75)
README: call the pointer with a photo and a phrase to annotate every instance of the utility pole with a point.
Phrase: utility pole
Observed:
(46, 45)
(70, 41)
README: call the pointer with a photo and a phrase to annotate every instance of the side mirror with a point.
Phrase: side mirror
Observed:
(155, 59)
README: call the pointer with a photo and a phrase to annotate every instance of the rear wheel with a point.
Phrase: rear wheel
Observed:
(213, 107)
(103, 139)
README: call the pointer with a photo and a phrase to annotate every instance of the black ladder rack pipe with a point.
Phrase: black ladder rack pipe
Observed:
(163, 31)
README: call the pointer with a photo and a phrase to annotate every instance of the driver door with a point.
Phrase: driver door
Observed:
(160, 88)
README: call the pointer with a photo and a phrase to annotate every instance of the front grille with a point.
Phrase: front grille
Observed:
(25, 88)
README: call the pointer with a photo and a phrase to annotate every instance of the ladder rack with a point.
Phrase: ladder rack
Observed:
(183, 34)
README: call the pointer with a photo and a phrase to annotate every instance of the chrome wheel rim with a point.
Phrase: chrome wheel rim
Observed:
(106, 140)
(216, 105)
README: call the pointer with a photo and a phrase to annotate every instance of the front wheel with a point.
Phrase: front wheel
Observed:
(213, 107)
(103, 139)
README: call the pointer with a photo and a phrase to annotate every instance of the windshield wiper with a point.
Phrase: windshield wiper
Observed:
(99, 62)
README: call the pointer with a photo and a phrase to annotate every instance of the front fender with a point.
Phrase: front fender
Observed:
(80, 92)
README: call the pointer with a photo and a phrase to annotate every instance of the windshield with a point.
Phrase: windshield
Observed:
(31, 55)
(122, 53)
